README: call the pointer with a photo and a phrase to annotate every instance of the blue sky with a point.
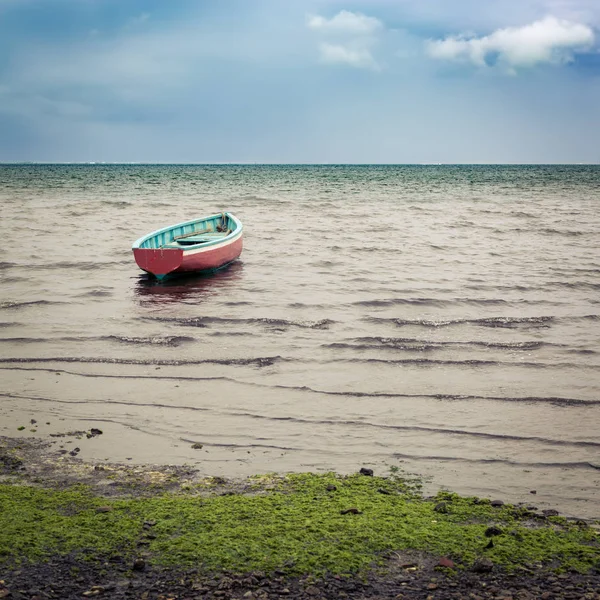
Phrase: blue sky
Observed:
(317, 81)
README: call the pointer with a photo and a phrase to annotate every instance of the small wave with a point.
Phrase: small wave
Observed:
(18, 305)
(457, 432)
(425, 362)
(505, 461)
(505, 322)
(565, 232)
(555, 400)
(260, 361)
(171, 340)
(81, 265)
(242, 446)
(95, 294)
(401, 301)
(206, 321)
(371, 343)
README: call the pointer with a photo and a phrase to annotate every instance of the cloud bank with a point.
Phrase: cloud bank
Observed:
(549, 40)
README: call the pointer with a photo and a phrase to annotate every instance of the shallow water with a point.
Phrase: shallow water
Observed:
(443, 320)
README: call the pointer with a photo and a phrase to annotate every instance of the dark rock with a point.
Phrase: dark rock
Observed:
(532, 491)
(367, 472)
(489, 545)
(492, 531)
(93, 432)
(497, 503)
(197, 446)
(550, 512)
(482, 565)
(441, 507)
(104, 509)
(331, 488)
(33, 421)
(139, 564)
(75, 451)
(384, 491)
(350, 511)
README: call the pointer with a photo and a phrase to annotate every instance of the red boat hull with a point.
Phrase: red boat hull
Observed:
(165, 261)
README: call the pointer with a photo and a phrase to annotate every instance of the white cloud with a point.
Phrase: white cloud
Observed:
(360, 58)
(360, 34)
(549, 40)
(345, 22)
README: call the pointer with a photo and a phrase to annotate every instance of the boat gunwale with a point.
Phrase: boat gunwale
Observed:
(234, 233)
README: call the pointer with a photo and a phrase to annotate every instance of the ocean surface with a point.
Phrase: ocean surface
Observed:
(440, 320)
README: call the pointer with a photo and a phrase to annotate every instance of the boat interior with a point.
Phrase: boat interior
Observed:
(192, 233)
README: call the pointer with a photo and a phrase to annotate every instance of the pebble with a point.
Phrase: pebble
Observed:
(446, 562)
(367, 472)
(139, 564)
(482, 565)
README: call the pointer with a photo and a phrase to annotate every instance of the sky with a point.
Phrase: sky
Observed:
(300, 81)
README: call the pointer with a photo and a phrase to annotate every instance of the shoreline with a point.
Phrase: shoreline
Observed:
(460, 547)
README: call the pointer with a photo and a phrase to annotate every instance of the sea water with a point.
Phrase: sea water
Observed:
(439, 320)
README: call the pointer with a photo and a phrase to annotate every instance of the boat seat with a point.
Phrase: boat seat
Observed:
(198, 239)
(190, 240)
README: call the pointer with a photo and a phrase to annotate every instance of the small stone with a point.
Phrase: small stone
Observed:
(331, 488)
(33, 421)
(139, 564)
(446, 562)
(367, 472)
(311, 590)
(433, 586)
(550, 512)
(104, 509)
(441, 507)
(350, 511)
(285, 591)
(197, 446)
(384, 491)
(533, 491)
(497, 503)
(482, 565)
(248, 594)
(492, 531)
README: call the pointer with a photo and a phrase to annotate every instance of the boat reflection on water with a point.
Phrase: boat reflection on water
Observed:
(189, 289)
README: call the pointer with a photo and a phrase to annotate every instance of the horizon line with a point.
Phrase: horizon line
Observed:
(313, 164)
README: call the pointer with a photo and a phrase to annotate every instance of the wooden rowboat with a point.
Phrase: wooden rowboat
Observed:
(204, 244)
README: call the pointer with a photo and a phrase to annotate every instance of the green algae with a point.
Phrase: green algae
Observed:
(298, 523)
